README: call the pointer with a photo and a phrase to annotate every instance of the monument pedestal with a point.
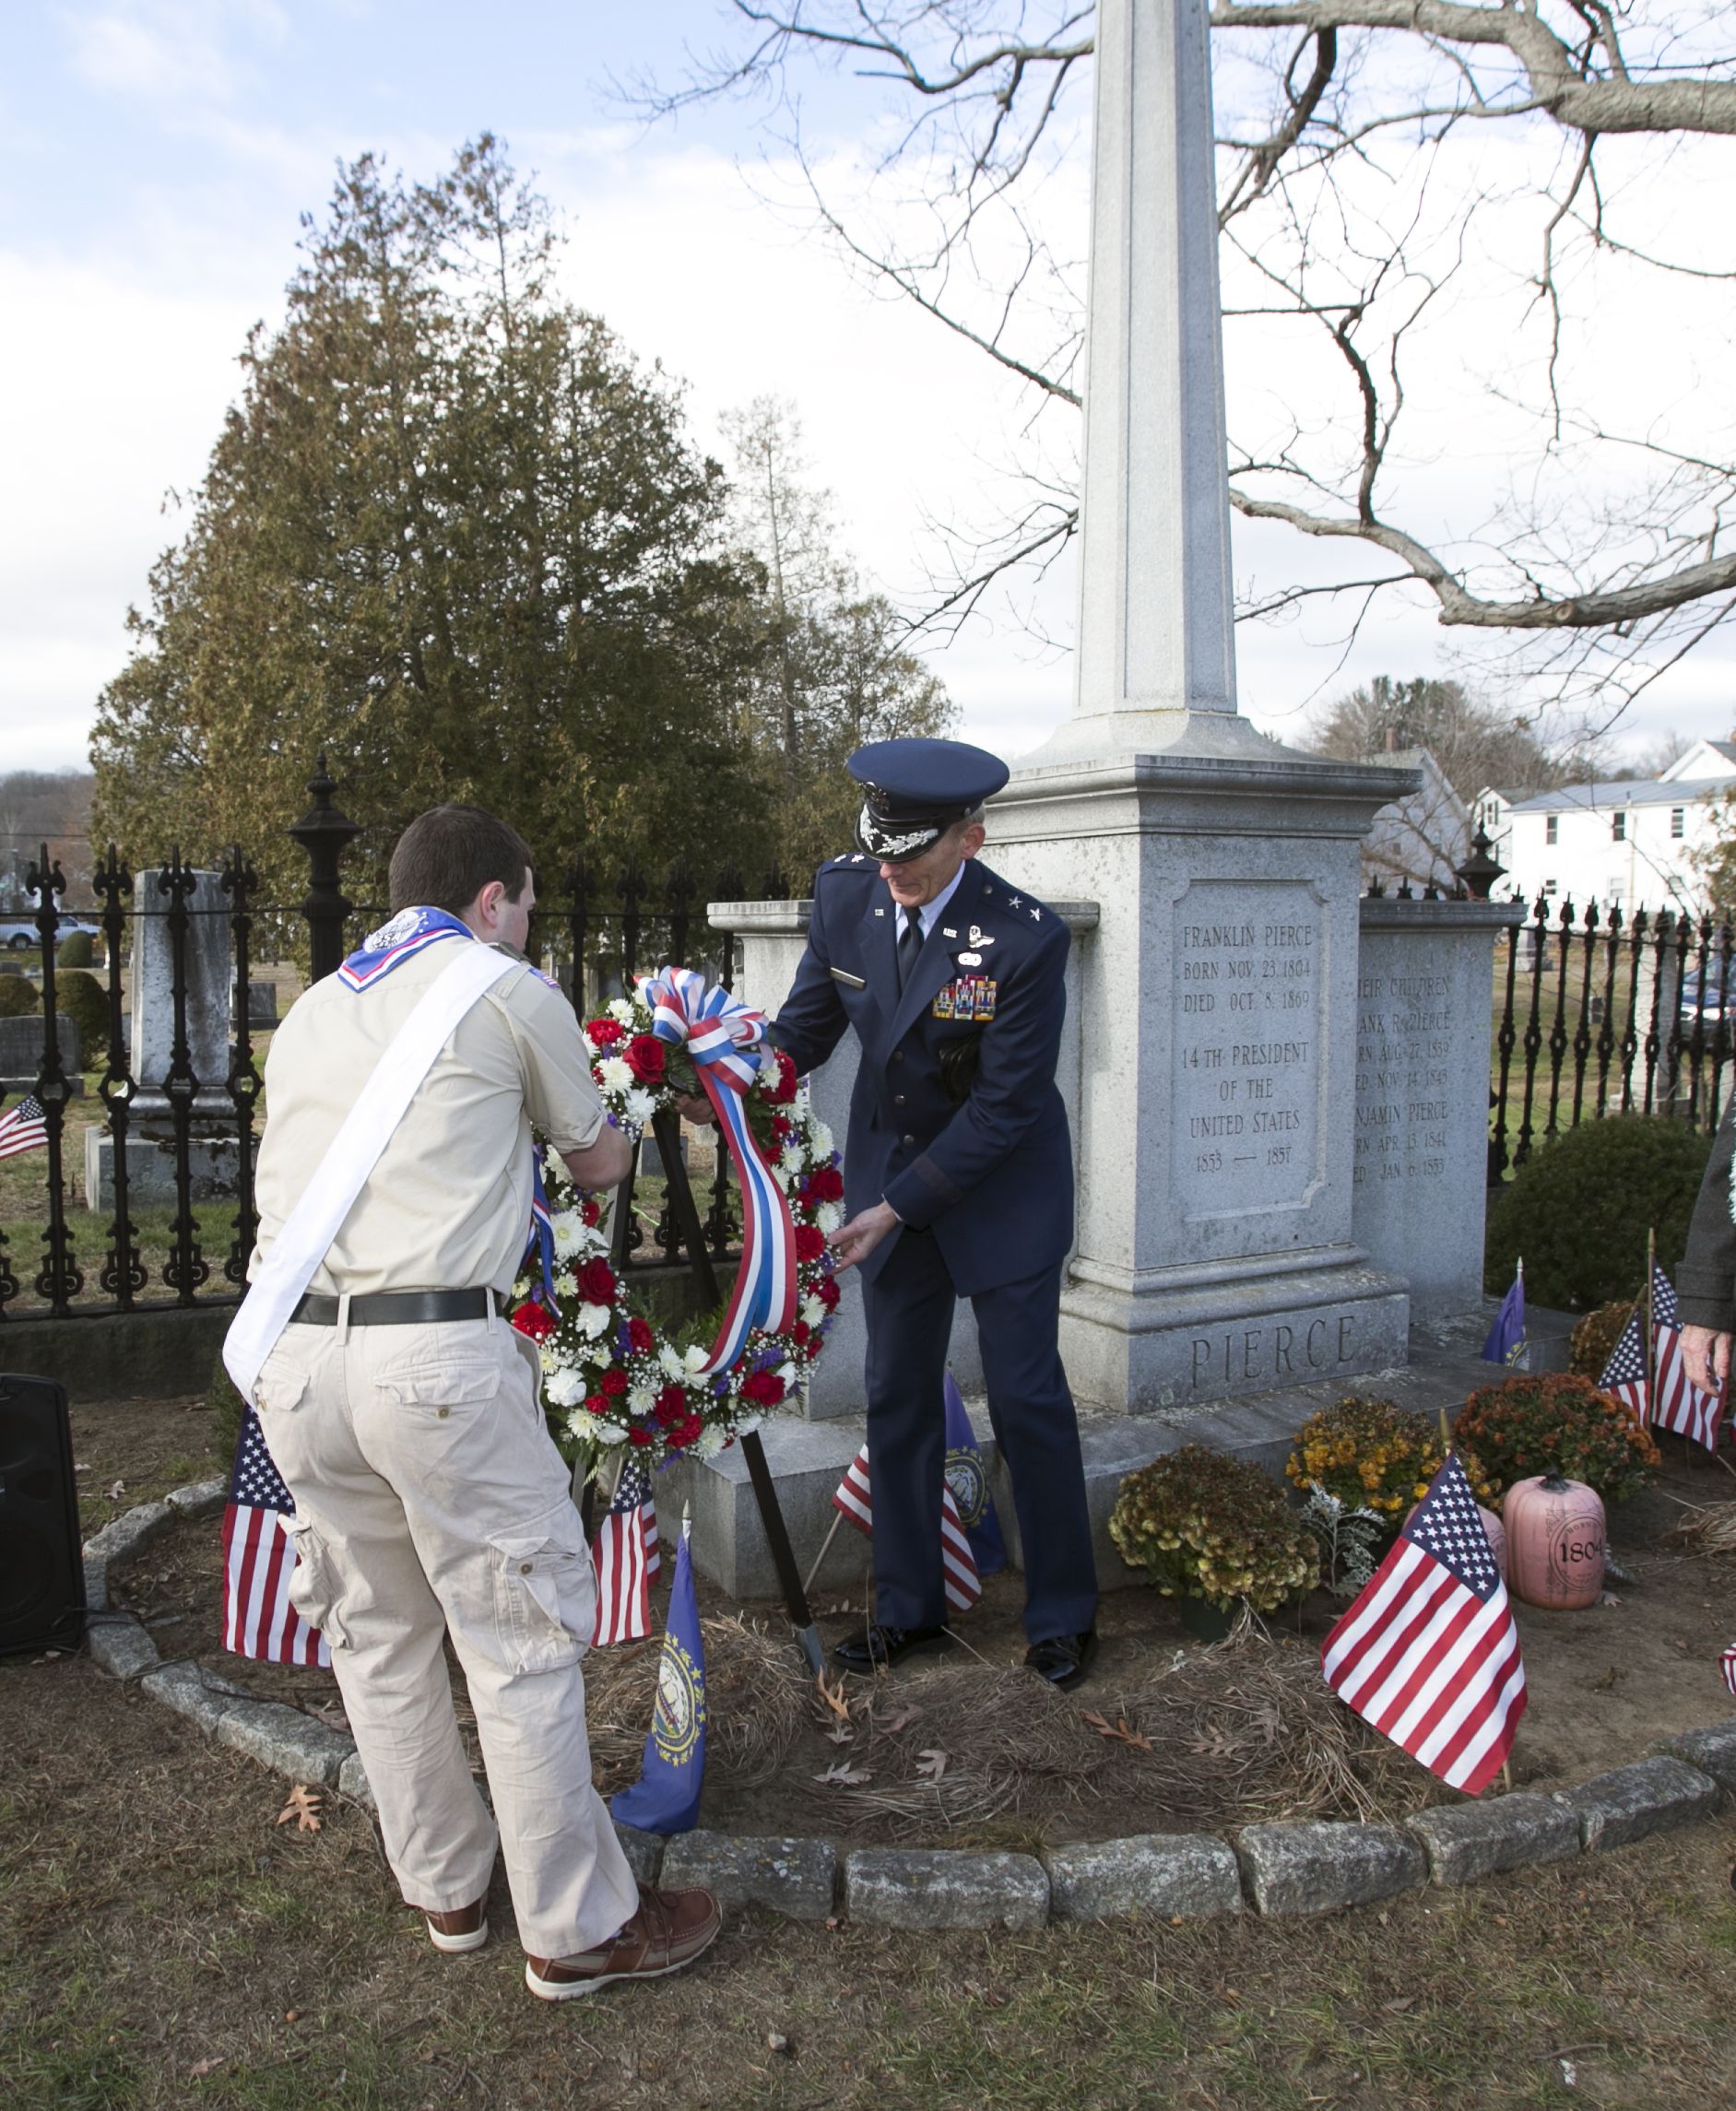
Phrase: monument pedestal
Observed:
(1214, 1123)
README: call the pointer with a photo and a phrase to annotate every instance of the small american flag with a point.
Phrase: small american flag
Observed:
(259, 1559)
(958, 1563)
(626, 1557)
(1624, 1374)
(1428, 1654)
(1677, 1403)
(25, 1128)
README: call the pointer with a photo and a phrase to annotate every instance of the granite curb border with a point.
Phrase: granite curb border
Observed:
(1285, 1869)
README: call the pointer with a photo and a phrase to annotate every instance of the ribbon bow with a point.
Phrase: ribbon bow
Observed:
(725, 1040)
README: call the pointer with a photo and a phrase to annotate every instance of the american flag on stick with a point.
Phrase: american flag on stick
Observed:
(1663, 1396)
(958, 1563)
(259, 1559)
(1726, 1664)
(626, 1558)
(1428, 1654)
(23, 1127)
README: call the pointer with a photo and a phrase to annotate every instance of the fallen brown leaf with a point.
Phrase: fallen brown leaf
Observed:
(899, 1721)
(932, 1764)
(304, 1807)
(1118, 1730)
(844, 1775)
(834, 1696)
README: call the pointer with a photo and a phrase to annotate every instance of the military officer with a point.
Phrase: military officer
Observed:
(957, 1180)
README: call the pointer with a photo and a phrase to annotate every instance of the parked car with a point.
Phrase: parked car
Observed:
(20, 935)
(1711, 1004)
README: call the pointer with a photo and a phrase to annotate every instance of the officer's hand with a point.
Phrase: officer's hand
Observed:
(696, 1108)
(857, 1240)
(1707, 1356)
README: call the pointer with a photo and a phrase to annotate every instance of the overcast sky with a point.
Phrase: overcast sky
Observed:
(158, 155)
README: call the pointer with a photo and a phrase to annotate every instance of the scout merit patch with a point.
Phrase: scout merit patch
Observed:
(971, 997)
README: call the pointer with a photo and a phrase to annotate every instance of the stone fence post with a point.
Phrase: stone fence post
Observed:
(1424, 1001)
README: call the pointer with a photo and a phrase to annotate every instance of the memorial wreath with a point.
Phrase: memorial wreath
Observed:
(613, 1375)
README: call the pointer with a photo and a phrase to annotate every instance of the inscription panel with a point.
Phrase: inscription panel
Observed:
(1405, 1028)
(1249, 958)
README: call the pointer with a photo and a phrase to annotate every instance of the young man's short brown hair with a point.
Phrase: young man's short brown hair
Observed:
(448, 855)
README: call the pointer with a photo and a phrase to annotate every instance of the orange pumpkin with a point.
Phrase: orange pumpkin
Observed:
(1555, 1541)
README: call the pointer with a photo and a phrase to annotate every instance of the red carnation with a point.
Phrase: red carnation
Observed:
(810, 1242)
(591, 1210)
(799, 1333)
(639, 1434)
(534, 1320)
(690, 1429)
(764, 1388)
(602, 1033)
(640, 1338)
(645, 1056)
(597, 1283)
(827, 1293)
(671, 1406)
(782, 1091)
(825, 1184)
(595, 1404)
(782, 1128)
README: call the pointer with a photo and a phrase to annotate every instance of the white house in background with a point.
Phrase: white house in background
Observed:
(1628, 841)
(1424, 837)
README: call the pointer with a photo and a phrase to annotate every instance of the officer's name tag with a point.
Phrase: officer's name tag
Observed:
(853, 982)
(970, 997)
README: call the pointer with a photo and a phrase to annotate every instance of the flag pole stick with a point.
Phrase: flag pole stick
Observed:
(837, 1519)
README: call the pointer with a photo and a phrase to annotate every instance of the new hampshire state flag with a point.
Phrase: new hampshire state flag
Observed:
(664, 1799)
(969, 1483)
(1506, 1343)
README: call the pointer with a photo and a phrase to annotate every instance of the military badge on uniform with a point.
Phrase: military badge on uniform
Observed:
(968, 1001)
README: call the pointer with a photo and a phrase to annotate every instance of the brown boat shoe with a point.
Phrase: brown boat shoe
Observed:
(465, 1928)
(670, 1929)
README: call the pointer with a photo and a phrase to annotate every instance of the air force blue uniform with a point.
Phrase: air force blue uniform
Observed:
(984, 1185)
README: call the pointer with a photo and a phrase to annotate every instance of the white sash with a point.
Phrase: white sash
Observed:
(316, 1219)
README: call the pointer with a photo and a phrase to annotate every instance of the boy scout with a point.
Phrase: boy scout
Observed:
(402, 1411)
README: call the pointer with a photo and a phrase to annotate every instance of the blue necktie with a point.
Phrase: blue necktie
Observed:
(909, 945)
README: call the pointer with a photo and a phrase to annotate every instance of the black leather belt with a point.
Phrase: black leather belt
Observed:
(395, 1308)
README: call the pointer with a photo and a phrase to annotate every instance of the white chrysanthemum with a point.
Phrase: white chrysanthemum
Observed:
(712, 1440)
(613, 1074)
(553, 1165)
(642, 1400)
(791, 1161)
(639, 1107)
(566, 1283)
(694, 1360)
(569, 1232)
(812, 1312)
(584, 1425)
(670, 1358)
(564, 1387)
(820, 1140)
(619, 1009)
(828, 1216)
(549, 1358)
(591, 1320)
(610, 1432)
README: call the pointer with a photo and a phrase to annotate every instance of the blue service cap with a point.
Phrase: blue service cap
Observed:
(915, 790)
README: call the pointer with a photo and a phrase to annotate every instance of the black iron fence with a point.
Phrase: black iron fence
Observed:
(62, 1256)
(1597, 1014)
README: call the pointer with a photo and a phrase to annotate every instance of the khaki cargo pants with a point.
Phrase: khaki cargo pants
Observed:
(429, 1499)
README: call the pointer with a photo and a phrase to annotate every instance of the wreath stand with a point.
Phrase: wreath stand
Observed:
(667, 1127)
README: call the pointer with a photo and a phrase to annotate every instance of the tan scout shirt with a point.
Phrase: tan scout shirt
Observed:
(447, 1206)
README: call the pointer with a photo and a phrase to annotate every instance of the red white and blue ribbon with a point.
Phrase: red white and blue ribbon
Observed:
(727, 1039)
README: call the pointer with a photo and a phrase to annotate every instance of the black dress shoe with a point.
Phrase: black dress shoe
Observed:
(883, 1646)
(1062, 1659)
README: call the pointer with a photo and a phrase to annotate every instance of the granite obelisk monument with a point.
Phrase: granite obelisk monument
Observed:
(1214, 1124)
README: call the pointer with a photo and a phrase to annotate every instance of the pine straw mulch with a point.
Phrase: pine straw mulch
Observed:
(1226, 1735)
(1704, 1529)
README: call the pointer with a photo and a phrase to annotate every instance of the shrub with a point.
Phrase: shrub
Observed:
(1579, 1209)
(18, 996)
(1204, 1524)
(82, 998)
(1374, 1454)
(1595, 1337)
(1552, 1421)
(76, 951)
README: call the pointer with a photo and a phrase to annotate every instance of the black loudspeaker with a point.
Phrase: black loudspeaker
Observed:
(42, 1562)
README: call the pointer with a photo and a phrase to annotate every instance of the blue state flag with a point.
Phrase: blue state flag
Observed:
(664, 1799)
(969, 1483)
(1506, 1337)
